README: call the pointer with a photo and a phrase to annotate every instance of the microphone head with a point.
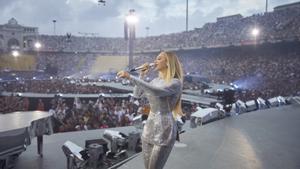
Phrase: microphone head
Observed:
(151, 65)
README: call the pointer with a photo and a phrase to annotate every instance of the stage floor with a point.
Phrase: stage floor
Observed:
(268, 139)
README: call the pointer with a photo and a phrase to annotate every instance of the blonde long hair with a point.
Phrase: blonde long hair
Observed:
(174, 71)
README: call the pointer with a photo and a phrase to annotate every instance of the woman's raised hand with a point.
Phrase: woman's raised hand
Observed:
(145, 69)
(123, 74)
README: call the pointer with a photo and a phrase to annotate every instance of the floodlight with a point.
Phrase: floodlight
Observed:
(15, 53)
(76, 158)
(37, 45)
(255, 32)
(131, 19)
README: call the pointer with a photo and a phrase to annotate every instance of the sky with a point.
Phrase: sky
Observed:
(86, 17)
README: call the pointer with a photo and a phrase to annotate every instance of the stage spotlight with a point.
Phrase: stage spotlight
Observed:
(70, 148)
(118, 143)
(76, 155)
(252, 105)
(281, 100)
(261, 103)
(240, 107)
(276, 101)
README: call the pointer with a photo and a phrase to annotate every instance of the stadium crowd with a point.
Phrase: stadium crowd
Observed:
(64, 64)
(55, 86)
(264, 71)
(82, 114)
(71, 114)
(268, 69)
(90, 114)
(274, 27)
(258, 71)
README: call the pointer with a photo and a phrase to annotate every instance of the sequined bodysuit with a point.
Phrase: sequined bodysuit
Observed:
(159, 132)
(160, 128)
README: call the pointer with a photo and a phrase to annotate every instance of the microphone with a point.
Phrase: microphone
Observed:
(141, 67)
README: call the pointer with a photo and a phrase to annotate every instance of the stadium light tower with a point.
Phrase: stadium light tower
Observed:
(129, 34)
(187, 16)
(266, 6)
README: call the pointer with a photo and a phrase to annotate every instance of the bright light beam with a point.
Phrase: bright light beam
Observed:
(255, 32)
(131, 19)
(15, 53)
(37, 45)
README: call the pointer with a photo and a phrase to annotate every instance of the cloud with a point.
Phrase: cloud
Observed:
(39, 14)
(162, 16)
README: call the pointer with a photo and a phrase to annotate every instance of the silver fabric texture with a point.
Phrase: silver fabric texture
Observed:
(160, 128)
(155, 157)
(159, 132)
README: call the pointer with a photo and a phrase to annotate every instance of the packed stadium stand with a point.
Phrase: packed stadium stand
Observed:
(223, 52)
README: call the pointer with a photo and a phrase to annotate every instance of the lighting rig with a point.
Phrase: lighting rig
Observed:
(97, 155)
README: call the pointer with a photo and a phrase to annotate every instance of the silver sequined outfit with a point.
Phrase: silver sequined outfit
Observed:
(159, 132)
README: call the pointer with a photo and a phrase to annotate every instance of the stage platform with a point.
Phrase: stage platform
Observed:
(268, 139)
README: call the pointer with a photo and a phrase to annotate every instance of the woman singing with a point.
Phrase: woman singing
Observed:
(164, 96)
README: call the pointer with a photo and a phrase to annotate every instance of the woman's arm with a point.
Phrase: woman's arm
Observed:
(170, 89)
